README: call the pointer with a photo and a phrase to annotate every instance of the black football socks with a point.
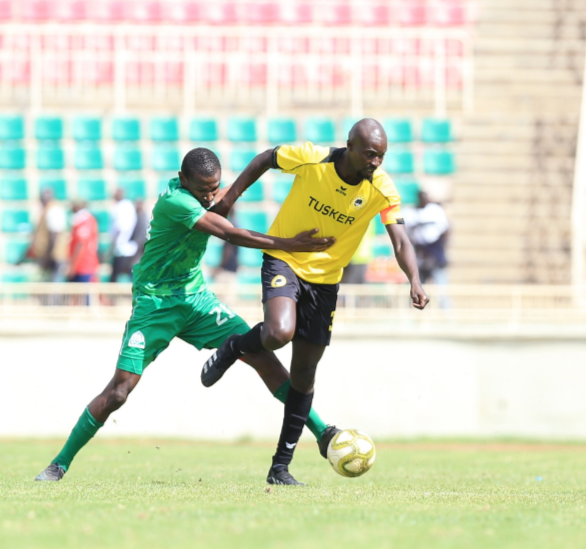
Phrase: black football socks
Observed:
(249, 342)
(297, 407)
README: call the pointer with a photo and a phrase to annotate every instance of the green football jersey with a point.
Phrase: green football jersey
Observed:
(171, 264)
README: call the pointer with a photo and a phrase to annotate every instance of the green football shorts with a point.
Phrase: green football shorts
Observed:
(199, 319)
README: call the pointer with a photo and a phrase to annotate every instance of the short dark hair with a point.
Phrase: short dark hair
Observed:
(200, 161)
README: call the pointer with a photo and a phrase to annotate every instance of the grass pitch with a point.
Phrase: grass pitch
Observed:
(142, 494)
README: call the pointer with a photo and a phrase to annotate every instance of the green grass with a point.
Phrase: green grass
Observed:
(129, 494)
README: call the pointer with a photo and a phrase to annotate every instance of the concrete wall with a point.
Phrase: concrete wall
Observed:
(388, 388)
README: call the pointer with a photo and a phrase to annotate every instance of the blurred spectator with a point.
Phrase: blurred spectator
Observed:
(49, 244)
(355, 272)
(427, 226)
(123, 224)
(83, 250)
(140, 229)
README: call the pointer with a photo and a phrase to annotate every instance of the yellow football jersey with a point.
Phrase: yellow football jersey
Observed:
(320, 198)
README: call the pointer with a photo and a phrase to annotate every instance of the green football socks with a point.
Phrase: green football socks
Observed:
(314, 422)
(85, 428)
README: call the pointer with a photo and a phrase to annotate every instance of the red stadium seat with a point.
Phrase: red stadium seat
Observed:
(71, 10)
(218, 13)
(57, 70)
(212, 74)
(182, 12)
(173, 72)
(336, 14)
(140, 72)
(57, 42)
(251, 74)
(411, 13)
(291, 13)
(293, 44)
(5, 9)
(15, 71)
(447, 13)
(144, 11)
(140, 42)
(210, 43)
(108, 11)
(36, 10)
(292, 76)
(97, 72)
(331, 45)
(377, 15)
(170, 43)
(103, 42)
(260, 14)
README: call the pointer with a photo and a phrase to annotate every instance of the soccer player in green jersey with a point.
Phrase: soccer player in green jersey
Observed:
(171, 299)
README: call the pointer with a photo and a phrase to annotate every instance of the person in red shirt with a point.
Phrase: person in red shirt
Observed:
(83, 249)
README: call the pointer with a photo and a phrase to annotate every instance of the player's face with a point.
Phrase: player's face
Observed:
(366, 156)
(203, 188)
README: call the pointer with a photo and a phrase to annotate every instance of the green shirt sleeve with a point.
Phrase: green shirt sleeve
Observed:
(183, 208)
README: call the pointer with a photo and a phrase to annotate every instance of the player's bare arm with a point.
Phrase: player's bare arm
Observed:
(216, 225)
(405, 255)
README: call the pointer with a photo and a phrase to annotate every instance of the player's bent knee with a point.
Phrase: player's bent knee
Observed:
(275, 337)
(117, 397)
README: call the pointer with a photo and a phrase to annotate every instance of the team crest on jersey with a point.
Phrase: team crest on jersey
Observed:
(136, 340)
(279, 281)
(358, 202)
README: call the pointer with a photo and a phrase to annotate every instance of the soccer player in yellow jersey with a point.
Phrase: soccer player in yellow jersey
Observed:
(338, 190)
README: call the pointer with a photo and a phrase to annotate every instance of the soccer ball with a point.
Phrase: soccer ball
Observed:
(351, 453)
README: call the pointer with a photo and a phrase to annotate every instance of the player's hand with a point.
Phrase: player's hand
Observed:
(307, 242)
(418, 296)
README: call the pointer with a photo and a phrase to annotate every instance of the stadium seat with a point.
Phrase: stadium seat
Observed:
(398, 161)
(213, 254)
(91, 189)
(162, 184)
(261, 13)
(182, 12)
(255, 221)
(411, 14)
(126, 129)
(447, 14)
(49, 128)
(249, 276)
(281, 130)
(337, 15)
(398, 130)
(108, 11)
(15, 251)
(436, 131)
(293, 13)
(248, 257)
(50, 157)
(13, 277)
(379, 227)
(165, 158)
(382, 249)
(87, 128)
(103, 220)
(13, 188)
(220, 13)
(254, 193)
(134, 189)
(12, 157)
(127, 158)
(374, 15)
(5, 10)
(203, 129)
(71, 10)
(320, 130)
(240, 158)
(11, 127)
(281, 188)
(164, 128)
(409, 191)
(438, 162)
(15, 221)
(56, 184)
(347, 124)
(88, 157)
(241, 129)
(35, 10)
(144, 12)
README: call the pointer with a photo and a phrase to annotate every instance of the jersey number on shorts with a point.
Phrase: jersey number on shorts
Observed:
(218, 310)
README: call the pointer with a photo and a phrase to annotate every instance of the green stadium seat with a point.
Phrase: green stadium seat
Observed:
(281, 130)
(248, 257)
(163, 184)
(127, 158)
(214, 251)
(91, 189)
(255, 221)
(164, 128)
(319, 129)
(398, 130)
(13, 188)
(254, 193)
(281, 187)
(88, 157)
(382, 249)
(399, 161)
(249, 276)
(50, 157)
(134, 189)
(11, 127)
(15, 277)
(409, 191)
(15, 221)
(438, 162)
(12, 157)
(126, 129)
(103, 219)
(56, 184)
(203, 129)
(242, 129)
(379, 227)
(436, 131)
(240, 158)
(49, 128)
(165, 158)
(347, 124)
(15, 251)
(87, 128)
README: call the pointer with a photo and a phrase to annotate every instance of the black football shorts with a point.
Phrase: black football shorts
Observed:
(316, 303)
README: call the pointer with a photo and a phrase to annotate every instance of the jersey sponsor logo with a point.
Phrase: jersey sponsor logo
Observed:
(136, 340)
(329, 211)
(342, 190)
(358, 202)
(278, 281)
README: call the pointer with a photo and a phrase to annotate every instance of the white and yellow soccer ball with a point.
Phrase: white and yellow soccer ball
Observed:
(351, 452)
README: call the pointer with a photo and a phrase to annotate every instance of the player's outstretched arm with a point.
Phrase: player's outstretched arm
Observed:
(405, 255)
(257, 167)
(216, 225)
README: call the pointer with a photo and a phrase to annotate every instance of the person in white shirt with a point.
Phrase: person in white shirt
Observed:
(122, 229)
